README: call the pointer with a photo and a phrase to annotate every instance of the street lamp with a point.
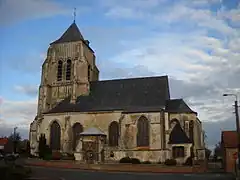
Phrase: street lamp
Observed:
(237, 124)
(14, 140)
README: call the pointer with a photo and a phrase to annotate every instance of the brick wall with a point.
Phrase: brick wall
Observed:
(230, 161)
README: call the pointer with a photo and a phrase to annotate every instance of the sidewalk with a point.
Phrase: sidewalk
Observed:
(140, 168)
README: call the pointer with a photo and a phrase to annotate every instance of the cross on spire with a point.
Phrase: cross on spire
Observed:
(74, 15)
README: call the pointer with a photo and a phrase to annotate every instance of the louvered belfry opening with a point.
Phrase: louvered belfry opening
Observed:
(68, 69)
(113, 134)
(55, 136)
(142, 132)
(76, 130)
(59, 70)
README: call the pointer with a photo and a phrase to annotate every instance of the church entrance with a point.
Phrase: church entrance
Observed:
(90, 151)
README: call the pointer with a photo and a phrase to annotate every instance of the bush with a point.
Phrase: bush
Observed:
(146, 162)
(135, 161)
(125, 160)
(68, 156)
(188, 162)
(56, 155)
(170, 162)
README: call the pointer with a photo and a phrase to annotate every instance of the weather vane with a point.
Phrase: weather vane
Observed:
(74, 15)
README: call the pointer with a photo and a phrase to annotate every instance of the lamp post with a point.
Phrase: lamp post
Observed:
(14, 140)
(237, 124)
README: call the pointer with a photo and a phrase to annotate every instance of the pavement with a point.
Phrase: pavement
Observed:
(71, 174)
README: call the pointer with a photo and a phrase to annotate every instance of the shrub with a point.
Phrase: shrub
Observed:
(42, 146)
(188, 162)
(56, 155)
(146, 162)
(135, 161)
(125, 160)
(68, 156)
(170, 162)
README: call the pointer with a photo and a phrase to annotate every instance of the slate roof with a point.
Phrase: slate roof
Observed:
(229, 139)
(178, 106)
(72, 34)
(178, 136)
(92, 131)
(128, 95)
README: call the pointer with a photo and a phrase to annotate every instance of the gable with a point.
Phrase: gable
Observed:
(178, 136)
(178, 106)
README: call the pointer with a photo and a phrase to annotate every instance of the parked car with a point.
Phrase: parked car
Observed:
(11, 157)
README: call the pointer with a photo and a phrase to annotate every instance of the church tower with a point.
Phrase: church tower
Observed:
(67, 70)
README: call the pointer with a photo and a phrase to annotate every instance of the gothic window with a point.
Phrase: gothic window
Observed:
(191, 130)
(76, 130)
(173, 122)
(89, 72)
(142, 132)
(186, 127)
(178, 151)
(59, 71)
(113, 134)
(68, 69)
(55, 136)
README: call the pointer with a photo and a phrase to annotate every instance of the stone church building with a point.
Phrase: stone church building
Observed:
(105, 120)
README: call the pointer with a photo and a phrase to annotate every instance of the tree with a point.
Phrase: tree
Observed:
(42, 146)
(14, 139)
(17, 137)
(217, 151)
(208, 153)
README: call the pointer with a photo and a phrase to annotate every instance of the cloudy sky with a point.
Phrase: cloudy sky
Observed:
(195, 42)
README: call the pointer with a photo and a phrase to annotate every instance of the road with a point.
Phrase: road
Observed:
(67, 174)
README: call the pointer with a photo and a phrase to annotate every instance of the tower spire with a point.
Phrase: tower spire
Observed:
(74, 15)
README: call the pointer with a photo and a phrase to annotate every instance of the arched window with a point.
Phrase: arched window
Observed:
(89, 72)
(68, 69)
(76, 130)
(142, 132)
(59, 71)
(173, 122)
(113, 134)
(55, 136)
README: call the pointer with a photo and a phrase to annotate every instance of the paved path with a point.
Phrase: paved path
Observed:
(68, 174)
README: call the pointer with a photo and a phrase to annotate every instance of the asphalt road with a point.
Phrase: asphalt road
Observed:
(67, 174)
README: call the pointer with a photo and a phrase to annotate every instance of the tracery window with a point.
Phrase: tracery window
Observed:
(142, 132)
(113, 134)
(76, 130)
(55, 136)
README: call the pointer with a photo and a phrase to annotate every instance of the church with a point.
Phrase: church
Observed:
(106, 120)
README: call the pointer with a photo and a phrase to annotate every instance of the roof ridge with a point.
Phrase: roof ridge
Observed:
(134, 78)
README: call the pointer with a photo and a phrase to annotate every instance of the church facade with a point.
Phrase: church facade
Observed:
(111, 119)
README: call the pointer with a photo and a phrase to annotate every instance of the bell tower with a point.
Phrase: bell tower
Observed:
(67, 70)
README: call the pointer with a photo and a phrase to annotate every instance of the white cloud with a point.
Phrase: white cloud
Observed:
(17, 10)
(30, 90)
(18, 113)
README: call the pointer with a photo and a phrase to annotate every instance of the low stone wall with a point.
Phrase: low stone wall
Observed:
(141, 168)
(143, 155)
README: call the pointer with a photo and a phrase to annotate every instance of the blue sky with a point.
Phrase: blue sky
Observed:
(195, 42)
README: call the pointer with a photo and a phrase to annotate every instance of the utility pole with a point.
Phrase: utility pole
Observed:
(237, 124)
(238, 130)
